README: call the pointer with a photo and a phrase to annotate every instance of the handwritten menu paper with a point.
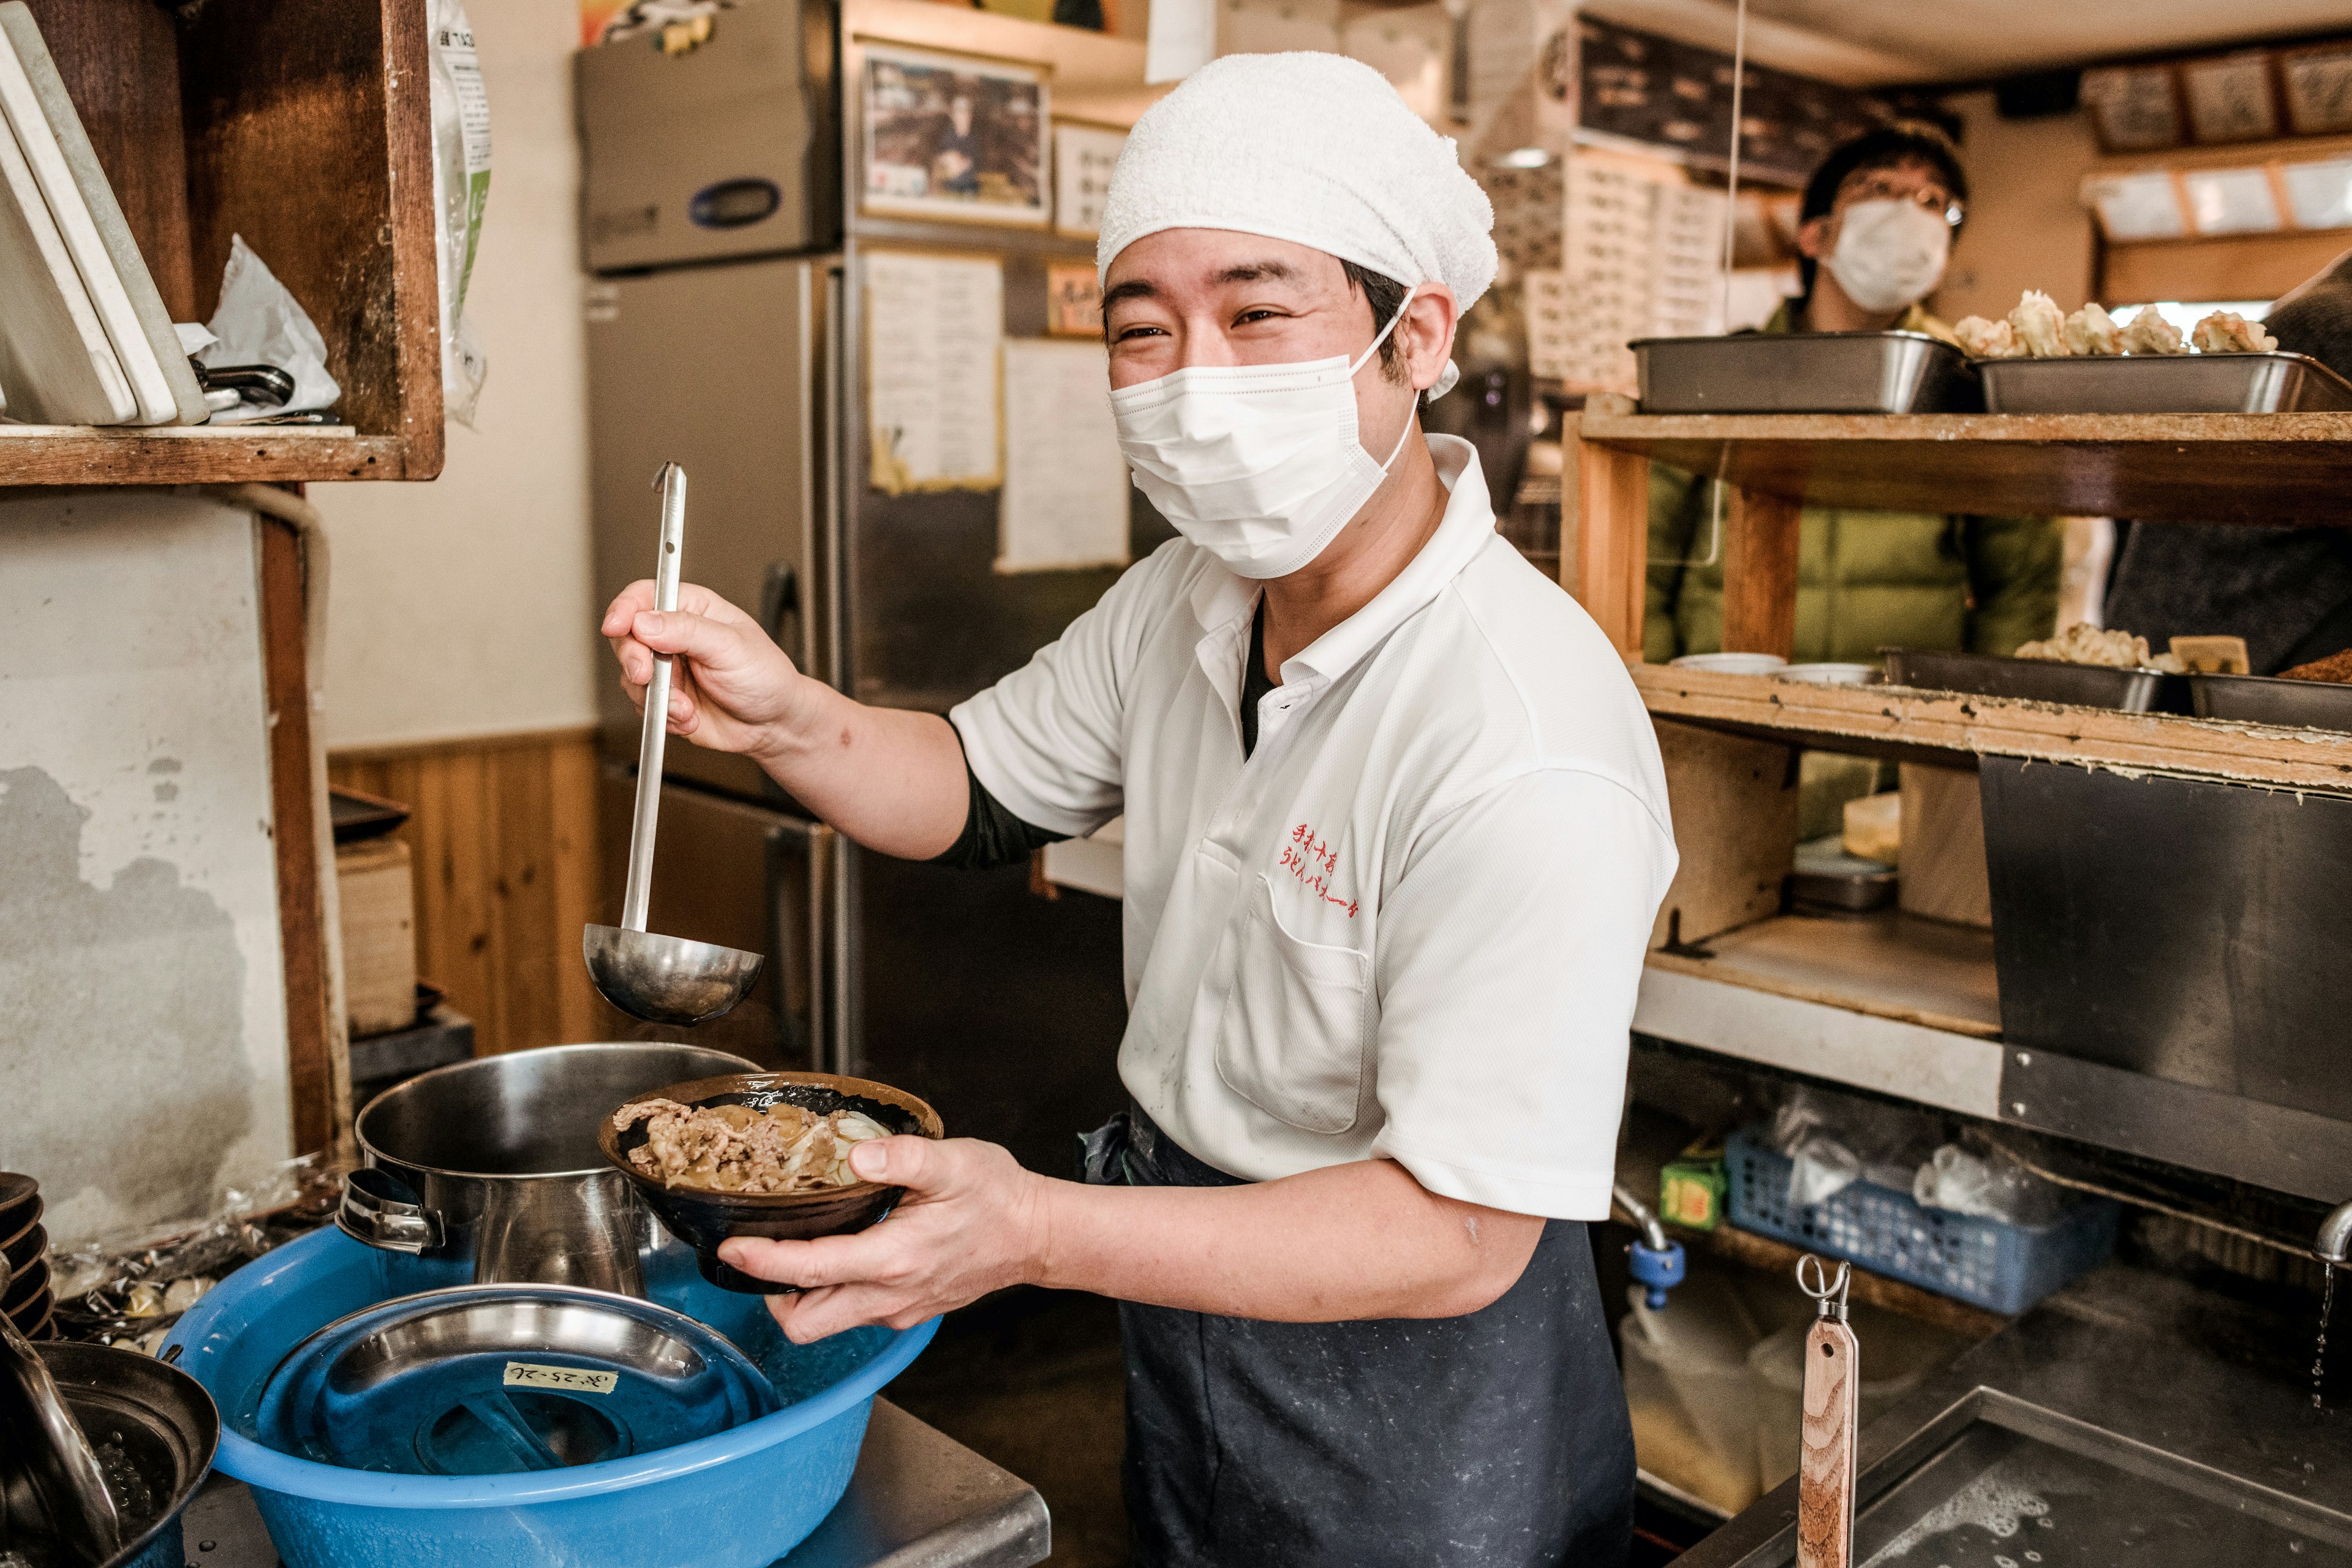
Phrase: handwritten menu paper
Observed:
(934, 331)
(1084, 157)
(1064, 503)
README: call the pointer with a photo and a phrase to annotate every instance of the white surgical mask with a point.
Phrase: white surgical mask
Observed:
(1257, 464)
(1889, 253)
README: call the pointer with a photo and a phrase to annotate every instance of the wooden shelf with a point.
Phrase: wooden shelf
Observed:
(306, 130)
(1888, 1002)
(1932, 726)
(1887, 964)
(201, 454)
(2214, 468)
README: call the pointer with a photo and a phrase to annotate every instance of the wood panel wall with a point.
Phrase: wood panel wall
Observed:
(505, 838)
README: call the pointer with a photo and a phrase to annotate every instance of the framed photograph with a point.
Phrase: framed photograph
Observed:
(1084, 156)
(955, 138)
(2230, 98)
(2135, 109)
(2318, 84)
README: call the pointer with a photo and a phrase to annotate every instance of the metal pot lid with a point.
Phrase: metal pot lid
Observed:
(500, 1379)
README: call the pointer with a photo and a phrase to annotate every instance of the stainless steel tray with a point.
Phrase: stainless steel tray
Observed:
(2029, 679)
(2266, 700)
(1804, 373)
(2164, 383)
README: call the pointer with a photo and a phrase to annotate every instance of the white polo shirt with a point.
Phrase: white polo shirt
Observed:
(1411, 924)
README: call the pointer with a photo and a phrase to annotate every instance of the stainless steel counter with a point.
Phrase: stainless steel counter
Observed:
(919, 1500)
(2186, 1408)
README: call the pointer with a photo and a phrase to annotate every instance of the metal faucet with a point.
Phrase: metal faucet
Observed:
(1657, 1261)
(2335, 1236)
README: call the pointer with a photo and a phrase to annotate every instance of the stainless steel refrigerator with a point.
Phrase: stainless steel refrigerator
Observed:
(721, 336)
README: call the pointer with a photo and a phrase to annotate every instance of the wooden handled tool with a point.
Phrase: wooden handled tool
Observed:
(1826, 1466)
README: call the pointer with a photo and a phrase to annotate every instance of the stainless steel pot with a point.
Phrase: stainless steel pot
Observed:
(495, 1162)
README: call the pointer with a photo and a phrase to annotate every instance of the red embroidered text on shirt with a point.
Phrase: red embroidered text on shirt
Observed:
(1310, 860)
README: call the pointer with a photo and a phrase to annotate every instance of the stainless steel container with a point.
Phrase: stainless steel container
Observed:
(2028, 680)
(1803, 372)
(2266, 700)
(2163, 384)
(495, 1162)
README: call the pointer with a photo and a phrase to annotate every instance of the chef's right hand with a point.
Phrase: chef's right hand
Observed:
(733, 690)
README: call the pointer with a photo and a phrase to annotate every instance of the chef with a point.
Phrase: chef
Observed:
(1396, 831)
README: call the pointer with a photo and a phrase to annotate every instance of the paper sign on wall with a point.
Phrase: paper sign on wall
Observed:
(1065, 486)
(1083, 159)
(934, 327)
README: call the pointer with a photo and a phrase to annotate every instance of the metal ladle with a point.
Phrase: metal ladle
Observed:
(52, 1483)
(661, 979)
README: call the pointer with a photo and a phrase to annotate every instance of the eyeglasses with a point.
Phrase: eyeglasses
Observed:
(1886, 186)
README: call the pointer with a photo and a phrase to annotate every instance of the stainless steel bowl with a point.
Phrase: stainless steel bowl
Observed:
(495, 1162)
(502, 1379)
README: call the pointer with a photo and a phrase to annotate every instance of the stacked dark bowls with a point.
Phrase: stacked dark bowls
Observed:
(28, 1300)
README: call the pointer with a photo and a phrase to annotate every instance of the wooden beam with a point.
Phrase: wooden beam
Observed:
(301, 917)
(2203, 467)
(1931, 726)
(1612, 542)
(1759, 573)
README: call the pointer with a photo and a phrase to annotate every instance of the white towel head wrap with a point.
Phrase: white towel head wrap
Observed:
(1312, 148)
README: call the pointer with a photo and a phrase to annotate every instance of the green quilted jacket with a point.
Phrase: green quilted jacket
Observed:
(1864, 579)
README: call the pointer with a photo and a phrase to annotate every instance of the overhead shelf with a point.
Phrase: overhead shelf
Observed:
(1915, 725)
(2206, 468)
(204, 454)
(307, 131)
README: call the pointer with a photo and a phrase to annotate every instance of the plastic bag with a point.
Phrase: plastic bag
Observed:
(461, 189)
(130, 1292)
(259, 322)
(1954, 1179)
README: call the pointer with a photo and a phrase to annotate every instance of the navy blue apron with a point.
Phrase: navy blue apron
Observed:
(1497, 1439)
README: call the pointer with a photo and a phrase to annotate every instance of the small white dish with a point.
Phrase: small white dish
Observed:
(1831, 674)
(1733, 663)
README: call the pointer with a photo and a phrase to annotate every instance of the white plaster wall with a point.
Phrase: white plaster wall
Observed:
(142, 1016)
(461, 606)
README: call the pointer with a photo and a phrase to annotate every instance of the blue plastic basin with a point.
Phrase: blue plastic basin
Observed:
(741, 1498)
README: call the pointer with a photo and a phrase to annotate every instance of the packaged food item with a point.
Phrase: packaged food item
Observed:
(1691, 1187)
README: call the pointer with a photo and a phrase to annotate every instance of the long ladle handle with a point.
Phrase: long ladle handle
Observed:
(671, 482)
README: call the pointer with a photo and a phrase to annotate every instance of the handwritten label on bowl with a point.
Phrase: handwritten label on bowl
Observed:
(569, 1379)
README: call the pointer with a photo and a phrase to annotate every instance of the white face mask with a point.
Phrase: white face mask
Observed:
(1889, 253)
(1257, 464)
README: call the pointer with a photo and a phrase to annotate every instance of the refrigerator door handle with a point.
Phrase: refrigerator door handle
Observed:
(780, 602)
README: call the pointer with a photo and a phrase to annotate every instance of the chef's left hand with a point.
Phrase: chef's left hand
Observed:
(973, 1221)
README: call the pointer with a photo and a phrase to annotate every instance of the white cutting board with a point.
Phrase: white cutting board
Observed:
(34, 101)
(55, 364)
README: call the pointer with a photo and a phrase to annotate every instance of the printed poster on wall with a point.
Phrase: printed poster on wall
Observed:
(934, 334)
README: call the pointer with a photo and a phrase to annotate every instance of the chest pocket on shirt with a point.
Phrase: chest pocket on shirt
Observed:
(1298, 1025)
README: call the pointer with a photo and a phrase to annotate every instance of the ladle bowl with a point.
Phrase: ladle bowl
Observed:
(661, 979)
(666, 979)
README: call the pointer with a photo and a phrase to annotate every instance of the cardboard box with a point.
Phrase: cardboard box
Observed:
(378, 892)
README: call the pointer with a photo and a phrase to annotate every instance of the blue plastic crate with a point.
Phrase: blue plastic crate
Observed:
(1988, 1262)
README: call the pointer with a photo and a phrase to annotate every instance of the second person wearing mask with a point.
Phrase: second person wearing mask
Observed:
(1876, 230)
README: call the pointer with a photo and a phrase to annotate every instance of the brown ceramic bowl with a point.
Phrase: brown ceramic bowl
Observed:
(24, 1284)
(23, 1251)
(19, 1194)
(702, 1218)
(34, 1314)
